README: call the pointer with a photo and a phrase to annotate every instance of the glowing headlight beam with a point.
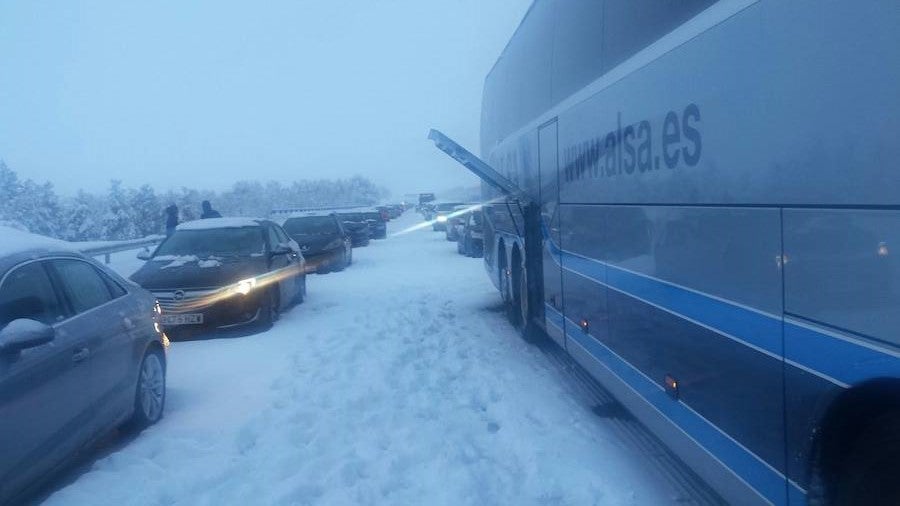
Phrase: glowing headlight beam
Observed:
(426, 224)
(244, 286)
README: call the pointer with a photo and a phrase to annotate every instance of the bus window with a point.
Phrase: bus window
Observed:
(632, 25)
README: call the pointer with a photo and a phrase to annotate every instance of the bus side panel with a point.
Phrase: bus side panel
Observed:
(842, 286)
(693, 294)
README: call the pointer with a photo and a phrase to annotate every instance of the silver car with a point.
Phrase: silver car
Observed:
(80, 354)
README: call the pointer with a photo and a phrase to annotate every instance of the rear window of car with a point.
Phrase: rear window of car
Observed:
(27, 293)
(239, 241)
(311, 225)
(85, 287)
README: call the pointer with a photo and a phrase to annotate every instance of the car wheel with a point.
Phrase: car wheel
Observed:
(869, 475)
(341, 264)
(268, 308)
(150, 394)
(301, 290)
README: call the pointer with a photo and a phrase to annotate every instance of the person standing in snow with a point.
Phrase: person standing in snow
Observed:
(171, 219)
(208, 211)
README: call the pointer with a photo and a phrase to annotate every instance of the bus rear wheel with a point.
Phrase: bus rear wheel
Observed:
(521, 305)
(869, 475)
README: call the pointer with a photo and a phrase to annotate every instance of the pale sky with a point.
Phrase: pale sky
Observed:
(205, 93)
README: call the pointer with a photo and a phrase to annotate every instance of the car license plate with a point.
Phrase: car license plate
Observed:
(181, 319)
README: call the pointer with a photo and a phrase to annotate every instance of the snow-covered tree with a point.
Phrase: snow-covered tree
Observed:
(126, 213)
(148, 212)
(119, 220)
(83, 218)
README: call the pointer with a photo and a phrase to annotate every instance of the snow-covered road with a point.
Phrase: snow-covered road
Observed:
(397, 382)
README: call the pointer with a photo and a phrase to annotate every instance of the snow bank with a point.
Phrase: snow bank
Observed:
(383, 388)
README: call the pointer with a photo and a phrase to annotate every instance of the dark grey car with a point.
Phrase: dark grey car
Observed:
(80, 354)
(224, 273)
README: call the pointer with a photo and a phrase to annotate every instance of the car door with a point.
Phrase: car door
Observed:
(345, 237)
(287, 282)
(296, 258)
(104, 318)
(43, 390)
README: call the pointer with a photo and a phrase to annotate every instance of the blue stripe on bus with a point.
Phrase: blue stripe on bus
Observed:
(837, 358)
(554, 316)
(841, 361)
(750, 468)
(754, 328)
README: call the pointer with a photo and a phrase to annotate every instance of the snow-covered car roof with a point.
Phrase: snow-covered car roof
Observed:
(305, 214)
(17, 241)
(211, 223)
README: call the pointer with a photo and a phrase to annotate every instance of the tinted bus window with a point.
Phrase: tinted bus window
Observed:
(577, 43)
(518, 87)
(632, 25)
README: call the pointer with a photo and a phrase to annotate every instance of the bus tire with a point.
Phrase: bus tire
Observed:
(870, 472)
(524, 321)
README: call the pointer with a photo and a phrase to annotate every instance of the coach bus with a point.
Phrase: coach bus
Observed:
(699, 201)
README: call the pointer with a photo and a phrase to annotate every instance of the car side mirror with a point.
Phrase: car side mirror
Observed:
(144, 254)
(24, 333)
(281, 249)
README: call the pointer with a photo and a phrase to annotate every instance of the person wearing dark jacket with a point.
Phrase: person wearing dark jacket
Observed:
(171, 219)
(208, 211)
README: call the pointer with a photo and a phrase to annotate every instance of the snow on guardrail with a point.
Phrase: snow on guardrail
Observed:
(106, 248)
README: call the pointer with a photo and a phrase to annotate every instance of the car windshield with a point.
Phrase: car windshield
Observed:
(446, 207)
(310, 225)
(243, 241)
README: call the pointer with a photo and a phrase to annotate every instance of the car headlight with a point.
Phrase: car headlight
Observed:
(441, 218)
(244, 286)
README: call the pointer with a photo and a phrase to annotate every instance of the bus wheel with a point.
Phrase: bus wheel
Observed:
(869, 475)
(523, 321)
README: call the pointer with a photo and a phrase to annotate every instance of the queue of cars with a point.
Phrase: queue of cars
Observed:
(83, 350)
(461, 223)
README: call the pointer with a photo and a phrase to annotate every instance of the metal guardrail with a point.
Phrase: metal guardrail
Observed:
(118, 246)
(301, 209)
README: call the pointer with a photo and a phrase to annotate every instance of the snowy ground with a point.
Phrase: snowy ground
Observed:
(397, 382)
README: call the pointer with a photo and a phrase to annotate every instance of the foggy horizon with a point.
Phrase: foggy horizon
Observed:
(204, 95)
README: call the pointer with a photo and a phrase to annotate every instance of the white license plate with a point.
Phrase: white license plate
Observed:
(181, 319)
